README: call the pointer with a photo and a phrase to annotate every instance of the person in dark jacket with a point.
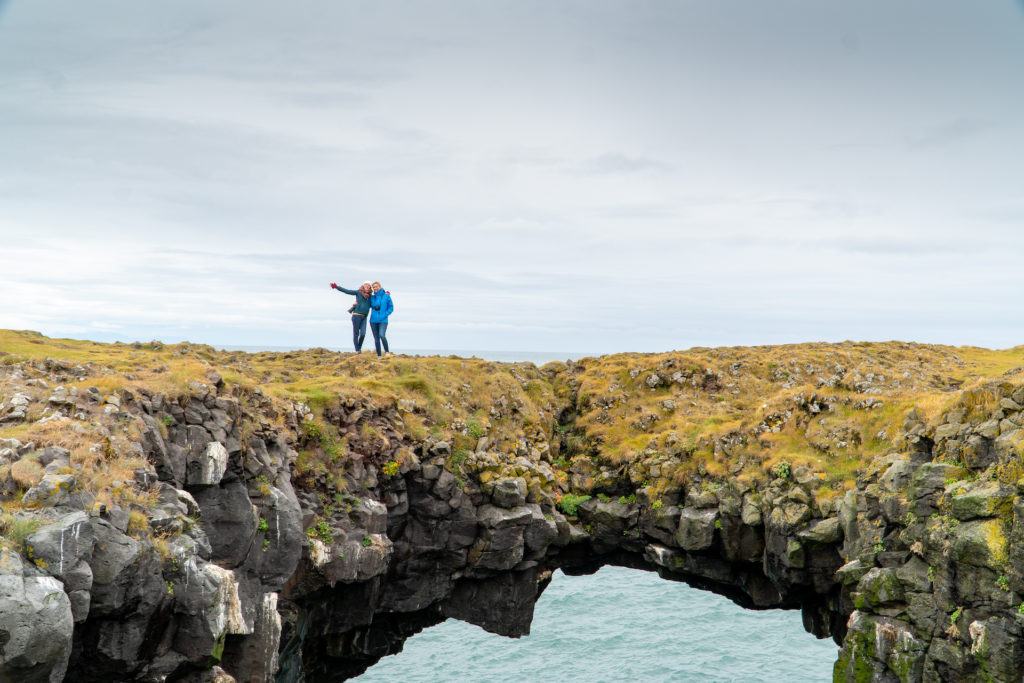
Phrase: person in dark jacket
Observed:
(359, 311)
(381, 306)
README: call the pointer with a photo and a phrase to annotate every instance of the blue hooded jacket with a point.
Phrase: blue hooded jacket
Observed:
(381, 306)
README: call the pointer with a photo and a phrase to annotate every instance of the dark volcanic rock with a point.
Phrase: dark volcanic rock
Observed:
(229, 520)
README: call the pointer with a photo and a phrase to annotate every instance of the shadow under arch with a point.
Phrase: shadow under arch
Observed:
(338, 635)
(620, 621)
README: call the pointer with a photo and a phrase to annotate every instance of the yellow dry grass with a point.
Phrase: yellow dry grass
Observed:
(747, 399)
(734, 407)
(26, 472)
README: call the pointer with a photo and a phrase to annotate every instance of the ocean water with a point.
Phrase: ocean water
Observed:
(619, 625)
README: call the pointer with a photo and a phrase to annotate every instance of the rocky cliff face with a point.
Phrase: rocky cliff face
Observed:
(215, 530)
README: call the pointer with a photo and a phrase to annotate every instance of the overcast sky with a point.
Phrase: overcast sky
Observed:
(571, 176)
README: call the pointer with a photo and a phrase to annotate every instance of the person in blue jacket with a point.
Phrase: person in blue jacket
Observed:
(359, 311)
(381, 306)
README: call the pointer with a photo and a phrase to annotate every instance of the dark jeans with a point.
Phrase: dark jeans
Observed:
(380, 331)
(358, 331)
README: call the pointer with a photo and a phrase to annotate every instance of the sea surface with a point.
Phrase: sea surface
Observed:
(619, 625)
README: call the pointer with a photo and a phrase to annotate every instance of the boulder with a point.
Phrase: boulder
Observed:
(35, 621)
(281, 543)
(980, 543)
(207, 467)
(59, 547)
(879, 587)
(540, 533)
(229, 520)
(255, 657)
(750, 513)
(509, 492)
(823, 531)
(611, 524)
(851, 572)
(914, 575)
(126, 577)
(983, 499)
(208, 604)
(351, 560)
(54, 456)
(696, 529)
(51, 491)
(880, 649)
(501, 544)
(789, 514)
(661, 523)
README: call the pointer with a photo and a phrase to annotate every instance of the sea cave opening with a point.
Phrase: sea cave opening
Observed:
(620, 623)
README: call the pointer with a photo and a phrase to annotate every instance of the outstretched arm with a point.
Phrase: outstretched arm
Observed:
(338, 287)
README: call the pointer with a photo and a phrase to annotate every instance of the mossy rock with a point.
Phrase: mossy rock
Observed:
(880, 587)
(981, 543)
(856, 662)
(982, 500)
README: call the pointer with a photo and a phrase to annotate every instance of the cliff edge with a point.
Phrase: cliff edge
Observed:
(178, 513)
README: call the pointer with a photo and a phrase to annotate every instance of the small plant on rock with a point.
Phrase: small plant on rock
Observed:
(367, 541)
(321, 531)
(390, 468)
(570, 503)
(14, 530)
(474, 429)
(783, 470)
(263, 485)
(138, 523)
(457, 459)
(1003, 582)
(263, 526)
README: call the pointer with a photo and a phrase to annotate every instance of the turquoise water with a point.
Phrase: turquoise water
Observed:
(619, 624)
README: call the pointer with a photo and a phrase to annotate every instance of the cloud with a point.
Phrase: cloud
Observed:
(614, 162)
(586, 177)
(956, 130)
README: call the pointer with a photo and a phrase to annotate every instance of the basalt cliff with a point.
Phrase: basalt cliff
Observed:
(178, 513)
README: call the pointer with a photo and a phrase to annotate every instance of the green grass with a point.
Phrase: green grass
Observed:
(14, 530)
(321, 530)
(570, 503)
(474, 429)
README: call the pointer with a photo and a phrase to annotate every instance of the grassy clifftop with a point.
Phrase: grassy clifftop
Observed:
(625, 423)
(752, 411)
